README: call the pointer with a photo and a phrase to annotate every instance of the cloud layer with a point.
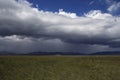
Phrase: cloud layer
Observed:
(24, 28)
(114, 7)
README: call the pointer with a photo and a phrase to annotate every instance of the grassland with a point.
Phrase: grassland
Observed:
(59, 68)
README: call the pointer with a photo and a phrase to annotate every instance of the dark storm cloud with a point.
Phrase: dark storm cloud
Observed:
(33, 30)
(23, 45)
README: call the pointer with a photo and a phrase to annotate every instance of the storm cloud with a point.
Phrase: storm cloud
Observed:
(24, 28)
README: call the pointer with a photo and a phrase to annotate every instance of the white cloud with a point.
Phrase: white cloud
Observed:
(97, 14)
(92, 2)
(72, 15)
(114, 8)
(20, 19)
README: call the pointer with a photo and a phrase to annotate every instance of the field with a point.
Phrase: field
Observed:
(59, 67)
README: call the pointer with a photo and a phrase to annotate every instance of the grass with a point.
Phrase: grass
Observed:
(59, 68)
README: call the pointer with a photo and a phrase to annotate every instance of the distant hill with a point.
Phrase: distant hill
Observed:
(40, 53)
(75, 53)
(55, 53)
(61, 53)
(107, 53)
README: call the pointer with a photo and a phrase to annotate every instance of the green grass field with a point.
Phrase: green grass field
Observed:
(59, 68)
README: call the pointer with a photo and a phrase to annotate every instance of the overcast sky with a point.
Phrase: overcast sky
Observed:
(59, 25)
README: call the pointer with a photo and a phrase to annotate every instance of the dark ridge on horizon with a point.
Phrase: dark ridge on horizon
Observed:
(61, 53)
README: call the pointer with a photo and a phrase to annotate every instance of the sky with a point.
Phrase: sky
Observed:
(84, 26)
